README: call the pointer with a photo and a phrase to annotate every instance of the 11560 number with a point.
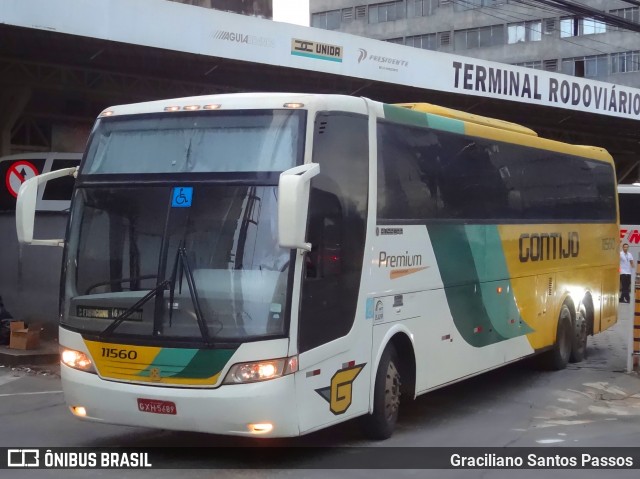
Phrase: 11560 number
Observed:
(115, 353)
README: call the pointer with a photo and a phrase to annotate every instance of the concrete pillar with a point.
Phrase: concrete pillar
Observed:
(12, 103)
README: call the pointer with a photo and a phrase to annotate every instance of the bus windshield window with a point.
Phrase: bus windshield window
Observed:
(217, 142)
(129, 240)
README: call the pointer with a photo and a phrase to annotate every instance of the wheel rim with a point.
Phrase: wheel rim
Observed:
(565, 336)
(392, 392)
(581, 330)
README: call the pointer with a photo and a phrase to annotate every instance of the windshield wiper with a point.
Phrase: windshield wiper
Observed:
(185, 268)
(120, 319)
(181, 258)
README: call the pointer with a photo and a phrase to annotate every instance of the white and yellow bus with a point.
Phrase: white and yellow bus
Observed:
(273, 264)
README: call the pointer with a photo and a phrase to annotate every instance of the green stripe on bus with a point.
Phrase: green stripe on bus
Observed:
(446, 124)
(404, 115)
(169, 361)
(207, 363)
(470, 259)
(491, 265)
(189, 363)
(417, 118)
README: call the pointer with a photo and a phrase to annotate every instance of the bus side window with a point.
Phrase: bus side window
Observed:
(325, 234)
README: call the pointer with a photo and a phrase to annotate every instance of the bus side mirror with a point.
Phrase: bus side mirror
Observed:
(293, 205)
(26, 207)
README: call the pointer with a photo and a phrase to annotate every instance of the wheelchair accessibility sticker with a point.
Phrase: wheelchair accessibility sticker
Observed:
(181, 197)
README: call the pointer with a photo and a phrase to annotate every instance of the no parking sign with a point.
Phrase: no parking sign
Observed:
(18, 173)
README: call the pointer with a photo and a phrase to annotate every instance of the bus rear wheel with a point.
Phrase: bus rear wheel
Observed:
(579, 346)
(558, 357)
(386, 398)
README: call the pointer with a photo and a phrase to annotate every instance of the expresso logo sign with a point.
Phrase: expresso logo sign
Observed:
(239, 37)
(384, 63)
(548, 246)
(319, 51)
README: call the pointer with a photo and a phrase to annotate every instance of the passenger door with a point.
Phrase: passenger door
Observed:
(334, 351)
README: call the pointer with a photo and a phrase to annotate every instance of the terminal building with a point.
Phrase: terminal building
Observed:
(254, 8)
(508, 31)
(63, 62)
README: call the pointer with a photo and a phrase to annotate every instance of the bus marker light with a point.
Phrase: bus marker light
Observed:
(171, 108)
(78, 411)
(477, 329)
(293, 105)
(191, 107)
(107, 113)
(262, 428)
(211, 107)
(315, 372)
(292, 365)
(350, 364)
(499, 289)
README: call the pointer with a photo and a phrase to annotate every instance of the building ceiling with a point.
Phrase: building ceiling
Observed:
(71, 79)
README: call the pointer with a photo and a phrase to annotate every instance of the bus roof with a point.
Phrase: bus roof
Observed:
(473, 125)
(468, 117)
(236, 101)
(490, 128)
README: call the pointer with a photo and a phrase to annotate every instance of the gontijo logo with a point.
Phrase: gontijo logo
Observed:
(548, 246)
(317, 50)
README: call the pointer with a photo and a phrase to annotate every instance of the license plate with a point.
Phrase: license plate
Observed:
(155, 406)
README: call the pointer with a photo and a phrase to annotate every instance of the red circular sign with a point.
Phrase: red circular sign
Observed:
(18, 173)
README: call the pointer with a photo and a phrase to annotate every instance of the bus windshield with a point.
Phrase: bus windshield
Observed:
(218, 141)
(192, 255)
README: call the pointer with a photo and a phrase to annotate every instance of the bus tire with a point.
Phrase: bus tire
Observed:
(579, 343)
(558, 357)
(386, 398)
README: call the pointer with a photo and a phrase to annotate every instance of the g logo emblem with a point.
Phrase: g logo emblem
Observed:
(339, 395)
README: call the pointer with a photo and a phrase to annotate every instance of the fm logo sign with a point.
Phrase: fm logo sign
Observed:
(339, 394)
(631, 236)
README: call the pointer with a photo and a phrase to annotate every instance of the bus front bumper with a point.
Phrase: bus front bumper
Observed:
(229, 410)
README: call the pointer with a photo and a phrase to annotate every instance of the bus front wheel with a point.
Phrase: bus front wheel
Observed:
(386, 398)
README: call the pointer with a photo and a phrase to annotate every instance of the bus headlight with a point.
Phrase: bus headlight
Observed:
(76, 360)
(261, 370)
